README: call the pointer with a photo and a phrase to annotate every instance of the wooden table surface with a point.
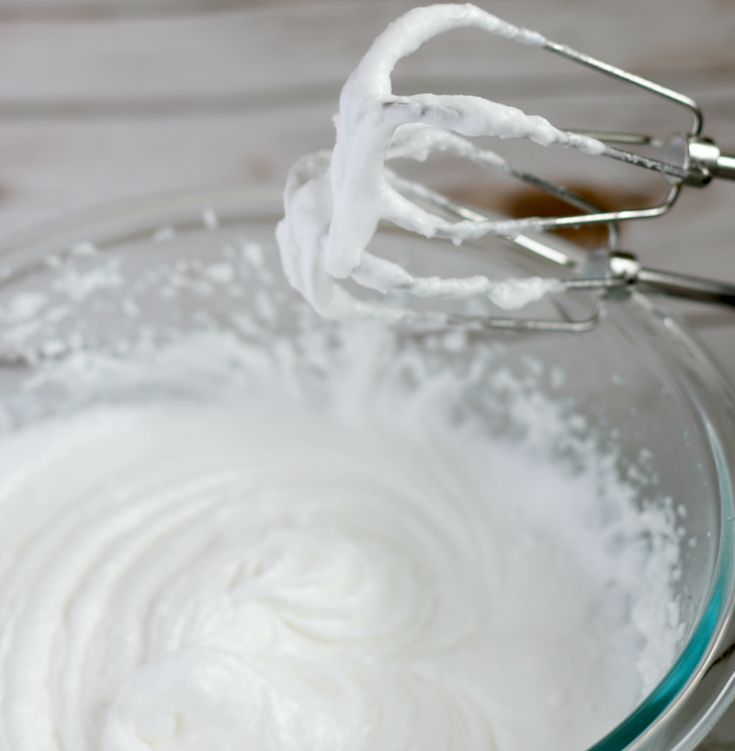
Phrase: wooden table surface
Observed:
(108, 99)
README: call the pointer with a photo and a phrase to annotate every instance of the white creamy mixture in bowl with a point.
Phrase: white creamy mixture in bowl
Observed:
(228, 524)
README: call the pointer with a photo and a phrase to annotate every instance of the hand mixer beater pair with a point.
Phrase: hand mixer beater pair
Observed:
(687, 159)
(375, 126)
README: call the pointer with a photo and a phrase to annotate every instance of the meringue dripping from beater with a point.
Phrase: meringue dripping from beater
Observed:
(334, 201)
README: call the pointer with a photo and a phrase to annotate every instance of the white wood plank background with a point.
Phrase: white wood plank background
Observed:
(106, 99)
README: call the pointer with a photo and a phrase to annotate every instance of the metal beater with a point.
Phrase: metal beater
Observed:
(686, 159)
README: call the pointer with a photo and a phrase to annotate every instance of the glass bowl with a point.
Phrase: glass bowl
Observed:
(638, 379)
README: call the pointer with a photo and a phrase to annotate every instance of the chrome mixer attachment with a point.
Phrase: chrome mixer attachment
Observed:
(683, 159)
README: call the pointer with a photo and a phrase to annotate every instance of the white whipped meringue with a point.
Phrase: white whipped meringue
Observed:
(289, 574)
(334, 202)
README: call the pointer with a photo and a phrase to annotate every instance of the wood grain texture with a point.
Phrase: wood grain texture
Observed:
(103, 99)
